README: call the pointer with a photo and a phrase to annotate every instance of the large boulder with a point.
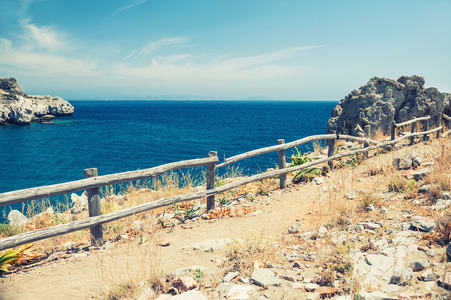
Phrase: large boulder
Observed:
(384, 100)
(16, 107)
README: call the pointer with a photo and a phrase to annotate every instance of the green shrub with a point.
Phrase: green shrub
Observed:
(7, 230)
(306, 175)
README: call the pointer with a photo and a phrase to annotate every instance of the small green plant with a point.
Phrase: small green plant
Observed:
(10, 257)
(7, 259)
(375, 78)
(223, 201)
(353, 162)
(262, 190)
(190, 213)
(298, 159)
(306, 175)
(390, 87)
(198, 274)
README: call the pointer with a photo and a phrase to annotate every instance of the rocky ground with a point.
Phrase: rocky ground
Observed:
(364, 231)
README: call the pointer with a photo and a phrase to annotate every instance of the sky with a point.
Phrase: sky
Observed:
(234, 49)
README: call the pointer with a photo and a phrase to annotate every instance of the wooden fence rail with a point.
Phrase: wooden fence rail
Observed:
(94, 182)
(94, 221)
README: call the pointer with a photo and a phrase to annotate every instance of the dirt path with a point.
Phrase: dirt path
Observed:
(84, 277)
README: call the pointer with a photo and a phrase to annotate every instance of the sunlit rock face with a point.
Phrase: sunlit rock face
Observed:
(383, 100)
(16, 107)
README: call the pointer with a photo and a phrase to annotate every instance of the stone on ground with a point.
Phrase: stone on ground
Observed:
(265, 278)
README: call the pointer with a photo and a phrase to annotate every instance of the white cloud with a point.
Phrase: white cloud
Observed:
(127, 7)
(46, 37)
(185, 68)
(25, 60)
(151, 47)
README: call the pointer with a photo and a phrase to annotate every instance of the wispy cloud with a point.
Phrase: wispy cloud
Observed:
(182, 69)
(136, 3)
(28, 61)
(46, 37)
(151, 47)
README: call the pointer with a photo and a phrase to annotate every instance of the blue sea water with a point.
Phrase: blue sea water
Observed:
(119, 136)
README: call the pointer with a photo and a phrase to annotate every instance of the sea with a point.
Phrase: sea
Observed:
(127, 135)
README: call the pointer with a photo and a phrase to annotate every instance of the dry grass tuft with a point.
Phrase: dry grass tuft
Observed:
(125, 272)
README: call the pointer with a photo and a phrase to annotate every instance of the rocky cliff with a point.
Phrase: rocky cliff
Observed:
(16, 107)
(383, 100)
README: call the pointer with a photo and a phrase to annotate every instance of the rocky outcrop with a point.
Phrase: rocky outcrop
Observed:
(16, 107)
(383, 100)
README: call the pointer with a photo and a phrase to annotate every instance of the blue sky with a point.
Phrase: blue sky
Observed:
(284, 49)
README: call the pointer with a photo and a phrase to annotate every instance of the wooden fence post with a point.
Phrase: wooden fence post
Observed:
(282, 165)
(367, 131)
(426, 128)
(94, 209)
(211, 180)
(330, 152)
(393, 130)
(412, 130)
(439, 123)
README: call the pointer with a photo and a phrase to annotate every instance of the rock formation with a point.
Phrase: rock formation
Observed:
(16, 107)
(383, 100)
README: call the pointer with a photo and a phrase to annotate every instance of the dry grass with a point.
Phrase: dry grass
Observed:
(125, 272)
(249, 252)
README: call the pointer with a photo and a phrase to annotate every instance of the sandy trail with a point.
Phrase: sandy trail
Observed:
(81, 278)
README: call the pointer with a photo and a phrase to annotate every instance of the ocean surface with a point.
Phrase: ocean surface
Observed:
(119, 136)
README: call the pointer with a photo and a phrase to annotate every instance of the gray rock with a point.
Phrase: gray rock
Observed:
(384, 210)
(441, 204)
(289, 278)
(190, 295)
(16, 107)
(403, 163)
(381, 262)
(448, 250)
(372, 226)
(234, 291)
(294, 228)
(423, 224)
(427, 275)
(79, 203)
(188, 270)
(211, 245)
(311, 287)
(265, 278)
(446, 196)
(355, 228)
(16, 218)
(383, 100)
(424, 189)
(376, 295)
(108, 246)
(421, 174)
(401, 276)
(370, 208)
(419, 265)
(230, 276)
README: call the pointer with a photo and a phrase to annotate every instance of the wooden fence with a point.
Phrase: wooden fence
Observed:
(92, 181)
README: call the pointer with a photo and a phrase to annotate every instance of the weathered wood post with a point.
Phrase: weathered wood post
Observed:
(439, 123)
(393, 130)
(367, 131)
(412, 130)
(330, 152)
(94, 209)
(282, 164)
(426, 128)
(211, 180)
